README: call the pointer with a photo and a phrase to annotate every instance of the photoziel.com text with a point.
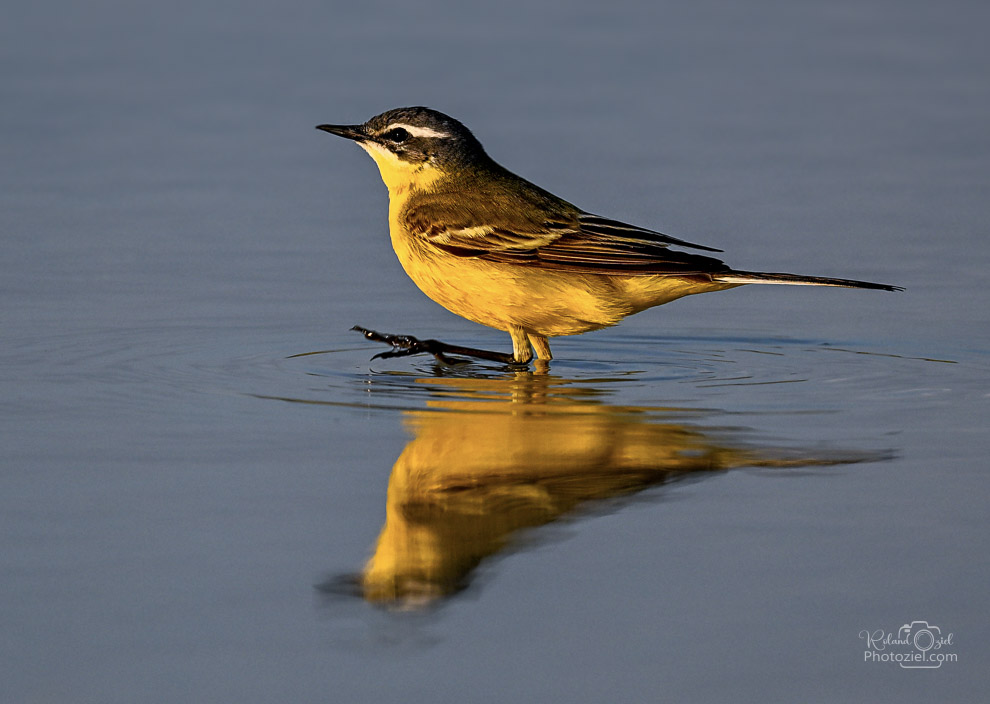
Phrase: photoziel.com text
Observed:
(916, 645)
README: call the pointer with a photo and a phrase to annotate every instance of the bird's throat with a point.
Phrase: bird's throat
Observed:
(401, 177)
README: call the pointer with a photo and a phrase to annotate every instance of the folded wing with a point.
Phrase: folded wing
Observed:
(559, 240)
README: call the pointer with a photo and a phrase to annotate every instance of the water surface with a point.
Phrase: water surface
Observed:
(210, 492)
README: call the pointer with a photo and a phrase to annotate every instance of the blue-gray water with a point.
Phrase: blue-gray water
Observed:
(708, 502)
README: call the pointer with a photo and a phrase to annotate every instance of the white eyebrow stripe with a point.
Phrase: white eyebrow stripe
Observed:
(416, 131)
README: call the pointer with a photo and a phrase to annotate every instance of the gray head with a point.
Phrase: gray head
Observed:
(415, 136)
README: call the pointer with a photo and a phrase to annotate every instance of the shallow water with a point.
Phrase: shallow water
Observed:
(210, 491)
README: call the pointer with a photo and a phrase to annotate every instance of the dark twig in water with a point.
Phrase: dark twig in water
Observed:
(405, 345)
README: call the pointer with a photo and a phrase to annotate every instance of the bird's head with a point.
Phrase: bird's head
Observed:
(413, 146)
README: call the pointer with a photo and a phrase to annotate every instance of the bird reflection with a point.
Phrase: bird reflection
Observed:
(490, 457)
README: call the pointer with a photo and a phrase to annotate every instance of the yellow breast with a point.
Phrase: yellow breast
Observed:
(501, 295)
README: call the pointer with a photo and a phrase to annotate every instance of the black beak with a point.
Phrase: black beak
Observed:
(355, 132)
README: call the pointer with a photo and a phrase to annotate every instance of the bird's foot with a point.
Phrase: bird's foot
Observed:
(405, 345)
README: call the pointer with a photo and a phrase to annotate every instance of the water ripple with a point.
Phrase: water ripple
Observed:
(140, 369)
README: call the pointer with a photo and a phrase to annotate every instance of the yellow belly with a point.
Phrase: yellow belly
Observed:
(545, 302)
(502, 296)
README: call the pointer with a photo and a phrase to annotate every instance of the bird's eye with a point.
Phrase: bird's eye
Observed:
(397, 135)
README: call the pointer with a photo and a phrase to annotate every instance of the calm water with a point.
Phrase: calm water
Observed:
(208, 492)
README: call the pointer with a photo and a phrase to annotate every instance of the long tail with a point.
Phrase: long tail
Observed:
(761, 277)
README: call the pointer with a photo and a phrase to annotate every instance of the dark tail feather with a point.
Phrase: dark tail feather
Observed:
(758, 277)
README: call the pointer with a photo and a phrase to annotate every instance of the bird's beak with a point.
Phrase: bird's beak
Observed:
(355, 132)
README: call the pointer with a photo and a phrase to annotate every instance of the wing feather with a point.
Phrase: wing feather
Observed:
(562, 239)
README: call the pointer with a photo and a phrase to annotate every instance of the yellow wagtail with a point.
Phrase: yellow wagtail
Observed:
(496, 249)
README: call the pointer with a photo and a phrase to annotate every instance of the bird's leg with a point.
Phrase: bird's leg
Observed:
(521, 350)
(542, 346)
(405, 345)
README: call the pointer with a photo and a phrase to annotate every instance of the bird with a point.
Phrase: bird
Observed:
(494, 248)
